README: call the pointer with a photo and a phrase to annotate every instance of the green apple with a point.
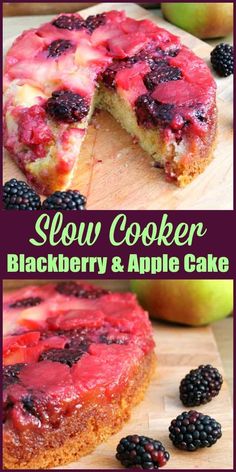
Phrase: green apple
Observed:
(191, 302)
(204, 20)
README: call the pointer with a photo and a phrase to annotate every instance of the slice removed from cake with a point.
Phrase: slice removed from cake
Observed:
(76, 359)
(159, 91)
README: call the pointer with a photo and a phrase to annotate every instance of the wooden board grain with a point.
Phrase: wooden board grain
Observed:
(178, 350)
(115, 173)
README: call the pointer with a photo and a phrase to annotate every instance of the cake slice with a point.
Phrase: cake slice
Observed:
(159, 91)
(76, 360)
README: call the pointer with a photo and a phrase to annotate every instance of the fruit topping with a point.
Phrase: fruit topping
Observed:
(65, 356)
(80, 291)
(160, 73)
(150, 112)
(33, 128)
(26, 302)
(200, 386)
(94, 21)
(75, 319)
(29, 338)
(192, 430)
(67, 200)
(222, 59)
(109, 75)
(58, 47)
(141, 452)
(69, 22)
(67, 106)
(11, 374)
(29, 405)
(18, 195)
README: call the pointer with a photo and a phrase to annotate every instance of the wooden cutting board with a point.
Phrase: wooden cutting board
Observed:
(178, 349)
(115, 173)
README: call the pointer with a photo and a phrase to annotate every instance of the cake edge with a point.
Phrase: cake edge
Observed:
(97, 430)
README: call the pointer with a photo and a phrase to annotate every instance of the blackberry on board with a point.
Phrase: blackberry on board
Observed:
(18, 195)
(200, 385)
(67, 200)
(141, 452)
(222, 59)
(192, 430)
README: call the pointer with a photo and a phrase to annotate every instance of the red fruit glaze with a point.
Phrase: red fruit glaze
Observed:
(29, 134)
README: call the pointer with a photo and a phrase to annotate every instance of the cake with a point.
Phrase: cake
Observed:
(76, 359)
(155, 87)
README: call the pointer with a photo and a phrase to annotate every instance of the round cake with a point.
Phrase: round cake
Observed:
(158, 90)
(76, 359)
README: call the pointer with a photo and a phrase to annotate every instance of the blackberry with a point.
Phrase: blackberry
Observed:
(58, 47)
(146, 111)
(222, 59)
(67, 106)
(18, 195)
(149, 112)
(109, 75)
(65, 356)
(29, 404)
(141, 452)
(78, 290)
(26, 302)
(68, 200)
(106, 339)
(200, 386)
(11, 373)
(192, 430)
(161, 72)
(94, 21)
(69, 22)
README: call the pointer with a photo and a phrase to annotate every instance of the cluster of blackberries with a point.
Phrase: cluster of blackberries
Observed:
(189, 431)
(19, 195)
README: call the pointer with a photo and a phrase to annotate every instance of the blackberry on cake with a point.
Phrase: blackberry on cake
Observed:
(56, 75)
(58, 47)
(200, 385)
